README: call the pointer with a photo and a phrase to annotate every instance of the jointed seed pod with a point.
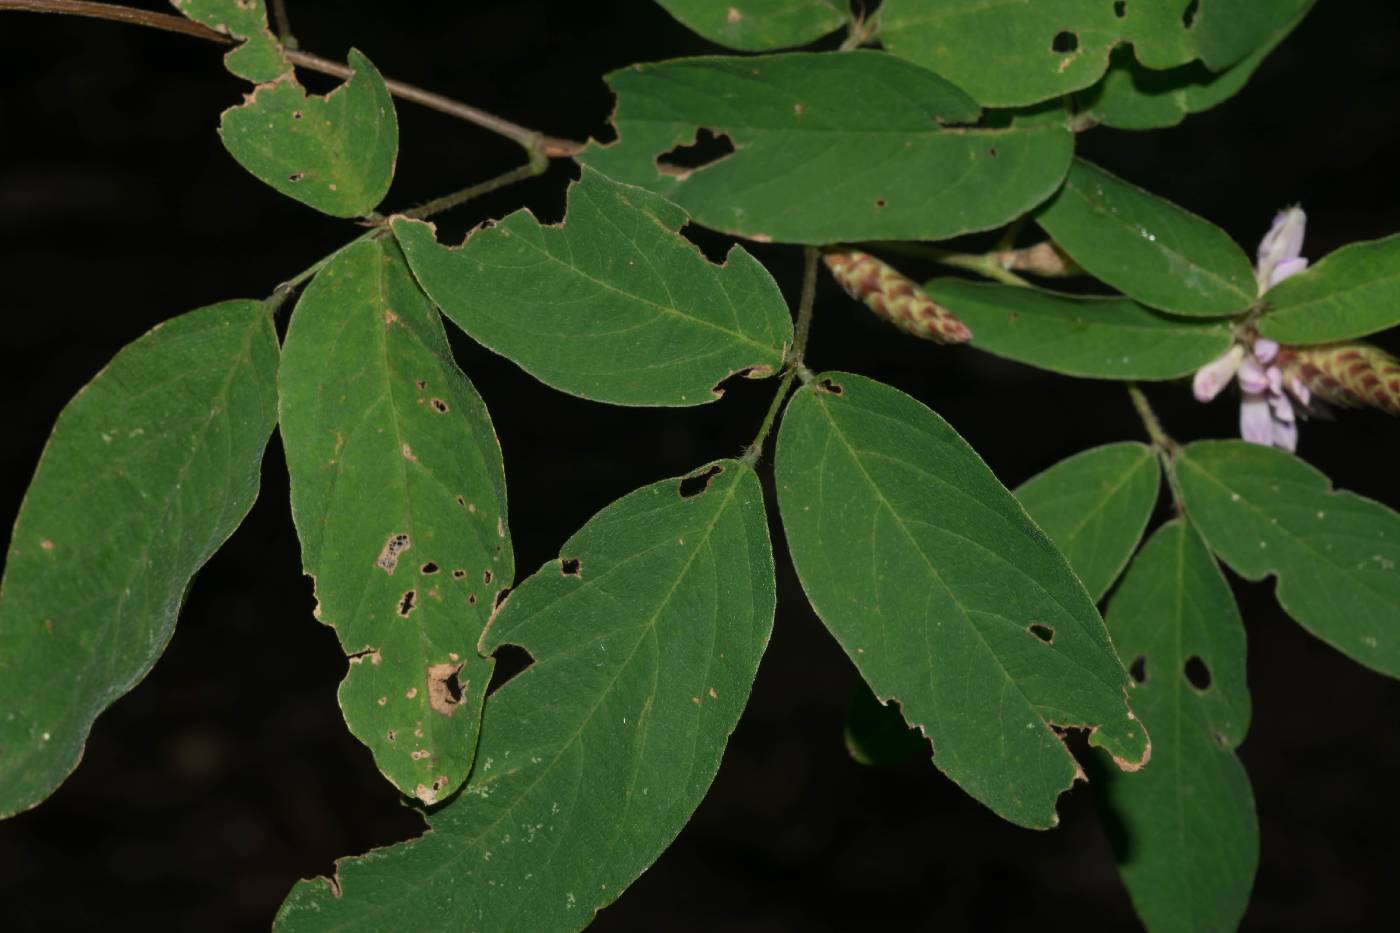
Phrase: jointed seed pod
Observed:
(1347, 374)
(894, 297)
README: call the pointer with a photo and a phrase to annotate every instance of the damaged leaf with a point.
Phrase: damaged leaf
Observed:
(947, 596)
(825, 149)
(876, 734)
(1147, 247)
(1335, 554)
(1095, 506)
(758, 25)
(1045, 48)
(613, 304)
(1184, 829)
(149, 469)
(1352, 292)
(258, 57)
(1132, 96)
(1078, 335)
(334, 153)
(397, 484)
(594, 757)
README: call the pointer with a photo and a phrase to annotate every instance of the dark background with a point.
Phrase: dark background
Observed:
(228, 772)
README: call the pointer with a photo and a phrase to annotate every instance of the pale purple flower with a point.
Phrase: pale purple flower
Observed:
(1266, 410)
(1280, 250)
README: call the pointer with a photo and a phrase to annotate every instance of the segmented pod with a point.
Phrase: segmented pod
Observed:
(894, 297)
(1347, 374)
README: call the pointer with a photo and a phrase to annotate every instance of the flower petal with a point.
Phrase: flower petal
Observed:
(1282, 243)
(1287, 268)
(1215, 375)
(1256, 420)
(1265, 349)
(1252, 377)
(1286, 435)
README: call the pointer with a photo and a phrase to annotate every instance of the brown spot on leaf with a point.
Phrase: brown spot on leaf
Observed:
(389, 556)
(439, 406)
(46, 544)
(405, 607)
(408, 453)
(570, 566)
(444, 690)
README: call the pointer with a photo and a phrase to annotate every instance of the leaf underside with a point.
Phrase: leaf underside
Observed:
(646, 635)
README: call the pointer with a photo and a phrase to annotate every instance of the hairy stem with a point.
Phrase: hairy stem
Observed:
(1162, 443)
(793, 367)
(534, 141)
(283, 24)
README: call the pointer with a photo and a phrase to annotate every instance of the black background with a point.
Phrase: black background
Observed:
(228, 772)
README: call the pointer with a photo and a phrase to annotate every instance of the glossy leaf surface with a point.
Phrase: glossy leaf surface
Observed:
(946, 596)
(758, 25)
(1094, 506)
(1265, 512)
(1101, 338)
(613, 304)
(826, 147)
(258, 58)
(1352, 292)
(398, 494)
(149, 469)
(1184, 829)
(1022, 51)
(1148, 248)
(335, 153)
(646, 636)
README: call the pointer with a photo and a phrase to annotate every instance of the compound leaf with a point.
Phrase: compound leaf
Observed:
(1146, 247)
(1046, 48)
(947, 596)
(613, 304)
(826, 147)
(258, 57)
(334, 153)
(1335, 553)
(1100, 338)
(398, 494)
(1352, 292)
(1095, 506)
(150, 468)
(758, 25)
(646, 635)
(1184, 830)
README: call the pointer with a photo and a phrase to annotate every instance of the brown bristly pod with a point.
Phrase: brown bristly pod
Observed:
(1347, 374)
(894, 297)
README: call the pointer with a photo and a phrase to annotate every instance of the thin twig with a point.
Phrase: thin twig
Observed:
(458, 198)
(1163, 446)
(284, 24)
(793, 366)
(550, 146)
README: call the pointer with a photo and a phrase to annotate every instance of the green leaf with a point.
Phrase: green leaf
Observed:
(1148, 248)
(1352, 292)
(876, 734)
(1335, 553)
(613, 304)
(1101, 338)
(1184, 830)
(758, 25)
(399, 499)
(334, 153)
(1134, 97)
(1095, 506)
(150, 468)
(828, 147)
(646, 635)
(258, 58)
(946, 596)
(1045, 48)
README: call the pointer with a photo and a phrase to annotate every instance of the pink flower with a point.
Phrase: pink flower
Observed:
(1266, 410)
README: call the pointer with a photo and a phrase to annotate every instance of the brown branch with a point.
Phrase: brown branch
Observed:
(534, 141)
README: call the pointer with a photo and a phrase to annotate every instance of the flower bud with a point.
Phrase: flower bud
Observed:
(1281, 247)
(894, 297)
(1044, 259)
